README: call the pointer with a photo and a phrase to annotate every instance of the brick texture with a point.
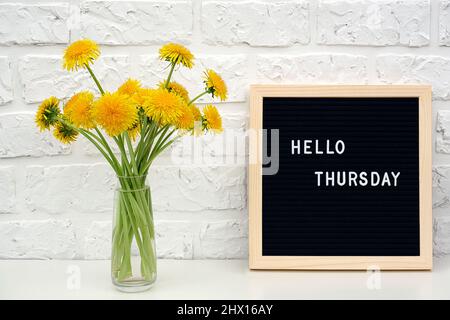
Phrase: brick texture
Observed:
(136, 22)
(38, 23)
(276, 23)
(374, 22)
(6, 92)
(444, 23)
(404, 69)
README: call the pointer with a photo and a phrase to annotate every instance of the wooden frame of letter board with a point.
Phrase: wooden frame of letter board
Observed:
(258, 261)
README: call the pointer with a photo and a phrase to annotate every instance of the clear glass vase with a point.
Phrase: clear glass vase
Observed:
(133, 257)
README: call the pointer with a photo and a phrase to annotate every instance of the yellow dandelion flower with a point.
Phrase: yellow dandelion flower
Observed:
(80, 54)
(47, 113)
(186, 119)
(78, 110)
(163, 106)
(176, 88)
(141, 95)
(130, 87)
(211, 119)
(215, 85)
(65, 133)
(115, 113)
(176, 54)
(195, 112)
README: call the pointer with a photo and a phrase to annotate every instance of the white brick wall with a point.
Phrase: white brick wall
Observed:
(5, 81)
(136, 22)
(38, 239)
(7, 189)
(39, 23)
(55, 201)
(374, 22)
(281, 23)
(432, 69)
(444, 23)
(312, 68)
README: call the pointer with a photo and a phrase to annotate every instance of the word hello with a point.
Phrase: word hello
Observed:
(355, 179)
(316, 147)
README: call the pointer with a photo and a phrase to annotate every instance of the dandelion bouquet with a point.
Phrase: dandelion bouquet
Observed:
(141, 123)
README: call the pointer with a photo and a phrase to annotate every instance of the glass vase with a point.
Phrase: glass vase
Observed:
(133, 257)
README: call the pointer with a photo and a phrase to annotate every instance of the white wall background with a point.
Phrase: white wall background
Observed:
(55, 201)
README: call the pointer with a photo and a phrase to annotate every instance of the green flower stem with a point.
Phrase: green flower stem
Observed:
(166, 85)
(134, 166)
(160, 134)
(125, 164)
(159, 147)
(134, 184)
(168, 136)
(144, 124)
(103, 152)
(125, 213)
(197, 97)
(144, 218)
(147, 142)
(148, 146)
(99, 86)
(106, 144)
(129, 209)
(154, 133)
(131, 152)
(133, 209)
(144, 161)
(162, 140)
(121, 254)
(102, 141)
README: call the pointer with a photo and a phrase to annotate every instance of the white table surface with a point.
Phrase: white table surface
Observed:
(216, 279)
